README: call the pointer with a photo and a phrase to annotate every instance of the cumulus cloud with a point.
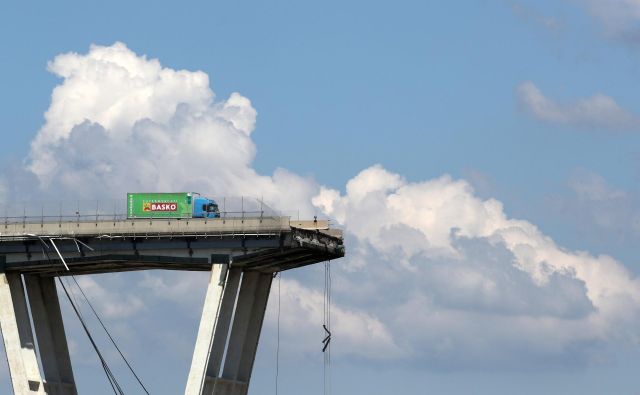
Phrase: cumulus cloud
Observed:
(452, 261)
(434, 274)
(120, 122)
(598, 111)
(361, 333)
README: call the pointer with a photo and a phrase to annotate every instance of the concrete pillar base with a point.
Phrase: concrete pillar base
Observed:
(49, 329)
(17, 334)
(18, 337)
(242, 296)
(60, 388)
(220, 386)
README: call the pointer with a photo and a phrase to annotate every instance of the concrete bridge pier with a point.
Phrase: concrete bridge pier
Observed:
(17, 333)
(242, 297)
(49, 329)
(18, 338)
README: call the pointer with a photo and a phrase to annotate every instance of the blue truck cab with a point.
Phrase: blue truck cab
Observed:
(205, 208)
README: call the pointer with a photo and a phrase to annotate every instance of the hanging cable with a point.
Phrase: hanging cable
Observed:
(105, 367)
(75, 305)
(278, 335)
(73, 296)
(95, 313)
(326, 349)
(110, 376)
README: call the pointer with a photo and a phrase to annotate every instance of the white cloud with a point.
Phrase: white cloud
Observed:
(434, 274)
(120, 122)
(357, 332)
(461, 282)
(598, 111)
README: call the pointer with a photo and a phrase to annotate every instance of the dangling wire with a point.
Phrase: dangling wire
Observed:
(95, 313)
(71, 296)
(113, 382)
(278, 335)
(326, 349)
(115, 386)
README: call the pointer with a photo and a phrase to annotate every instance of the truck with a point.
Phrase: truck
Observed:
(170, 205)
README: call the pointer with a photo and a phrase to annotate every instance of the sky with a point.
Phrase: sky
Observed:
(483, 159)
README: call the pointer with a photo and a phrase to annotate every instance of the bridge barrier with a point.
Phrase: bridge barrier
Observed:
(68, 211)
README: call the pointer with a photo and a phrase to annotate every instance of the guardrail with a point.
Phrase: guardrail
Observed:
(115, 210)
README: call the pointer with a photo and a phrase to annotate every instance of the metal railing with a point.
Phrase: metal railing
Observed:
(116, 210)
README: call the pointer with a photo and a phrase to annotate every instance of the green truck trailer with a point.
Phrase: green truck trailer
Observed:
(170, 205)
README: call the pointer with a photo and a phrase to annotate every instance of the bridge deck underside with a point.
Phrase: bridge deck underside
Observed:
(268, 261)
(267, 254)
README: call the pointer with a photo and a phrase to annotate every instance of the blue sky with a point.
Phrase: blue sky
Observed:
(531, 103)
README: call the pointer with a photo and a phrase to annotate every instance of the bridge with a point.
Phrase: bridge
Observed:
(241, 253)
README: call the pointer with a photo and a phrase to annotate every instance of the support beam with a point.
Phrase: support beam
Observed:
(49, 329)
(213, 332)
(221, 333)
(18, 336)
(254, 329)
(208, 322)
(214, 329)
(245, 333)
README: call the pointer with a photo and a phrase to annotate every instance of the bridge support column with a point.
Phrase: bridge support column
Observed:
(208, 323)
(245, 333)
(221, 334)
(49, 329)
(214, 372)
(18, 336)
